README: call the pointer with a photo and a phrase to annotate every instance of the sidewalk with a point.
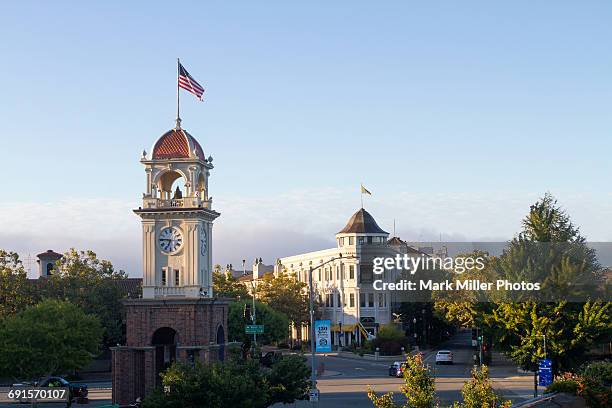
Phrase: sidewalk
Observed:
(427, 353)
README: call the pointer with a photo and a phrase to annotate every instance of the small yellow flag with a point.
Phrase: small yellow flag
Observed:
(365, 190)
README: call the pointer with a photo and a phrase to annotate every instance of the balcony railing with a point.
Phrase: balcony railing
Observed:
(186, 202)
(177, 202)
(169, 291)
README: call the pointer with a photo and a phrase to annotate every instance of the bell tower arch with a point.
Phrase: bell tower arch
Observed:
(177, 219)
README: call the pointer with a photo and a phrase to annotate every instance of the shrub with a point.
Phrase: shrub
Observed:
(600, 372)
(390, 340)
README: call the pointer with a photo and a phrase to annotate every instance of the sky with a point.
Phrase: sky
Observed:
(456, 115)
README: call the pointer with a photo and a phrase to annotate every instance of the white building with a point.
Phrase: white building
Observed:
(344, 286)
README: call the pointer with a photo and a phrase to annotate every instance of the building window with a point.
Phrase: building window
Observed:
(362, 301)
(370, 300)
(337, 273)
(351, 240)
(351, 271)
(360, 240)
(338, 301)
(164, 277)
(49, 269)
(177, 278)
(342, 274)
(381, 301)
(369, 240)
(319, 273)
(352, 299)
(366, 274)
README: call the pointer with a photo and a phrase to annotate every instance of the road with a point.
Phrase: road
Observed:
(346, 380)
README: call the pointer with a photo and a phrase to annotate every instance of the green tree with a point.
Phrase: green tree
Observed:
(478, 392)
(234, 383)
(287, 295)
(550, 250)
(419, 387)
(288, 379)
(92, 284)
(51, 337)
(15, 290)
(228, 286)
(276, 324)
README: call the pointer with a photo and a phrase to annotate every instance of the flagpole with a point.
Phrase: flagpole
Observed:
(178, 93)
(361, 194)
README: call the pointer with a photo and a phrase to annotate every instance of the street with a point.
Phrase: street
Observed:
(346, 378)
(345, 381)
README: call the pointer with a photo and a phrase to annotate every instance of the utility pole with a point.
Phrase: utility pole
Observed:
(313, 376)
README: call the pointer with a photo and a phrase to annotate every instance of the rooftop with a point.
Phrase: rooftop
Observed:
(362, 223)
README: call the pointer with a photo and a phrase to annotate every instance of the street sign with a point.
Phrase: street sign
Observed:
(313, 395)
(545, 377)
(254, 329)
(323, 336)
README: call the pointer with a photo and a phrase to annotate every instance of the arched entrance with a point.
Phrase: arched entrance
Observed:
(221, 342)
(164, 341)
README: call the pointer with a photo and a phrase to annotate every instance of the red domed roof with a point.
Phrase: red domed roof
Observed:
(177, 144)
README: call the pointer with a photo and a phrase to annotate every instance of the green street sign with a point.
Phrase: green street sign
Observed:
(254, 329)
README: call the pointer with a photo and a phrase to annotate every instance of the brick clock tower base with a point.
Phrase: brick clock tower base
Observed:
(161, 331)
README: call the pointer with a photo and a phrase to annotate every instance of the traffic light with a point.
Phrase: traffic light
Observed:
(479, 338)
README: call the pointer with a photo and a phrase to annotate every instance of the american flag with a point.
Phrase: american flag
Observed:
(187, 82)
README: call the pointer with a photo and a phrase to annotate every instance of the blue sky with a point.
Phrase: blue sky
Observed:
(457, 115)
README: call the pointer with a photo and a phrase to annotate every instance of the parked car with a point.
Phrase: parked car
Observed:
(397, 369)
(78, 392)
(444, 357)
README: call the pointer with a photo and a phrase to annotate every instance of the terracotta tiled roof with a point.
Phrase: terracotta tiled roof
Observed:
(49, 253)
(176, 144)
(362, 222)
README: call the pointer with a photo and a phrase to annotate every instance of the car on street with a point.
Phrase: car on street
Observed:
(78, 392)
(397, 369)
(444, 357)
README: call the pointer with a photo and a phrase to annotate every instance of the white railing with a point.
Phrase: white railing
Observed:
(169, 291)
(187, 202)
(177, 202)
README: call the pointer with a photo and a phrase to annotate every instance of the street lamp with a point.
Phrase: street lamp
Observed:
(311, 269)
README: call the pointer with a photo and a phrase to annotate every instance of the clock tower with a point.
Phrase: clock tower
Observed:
(177, 219)
(177, 319)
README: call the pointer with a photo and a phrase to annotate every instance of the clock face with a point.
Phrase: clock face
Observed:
(203, 242)
(170, 240)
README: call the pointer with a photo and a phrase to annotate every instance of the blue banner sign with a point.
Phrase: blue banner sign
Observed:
(323, 336)
(545, 377)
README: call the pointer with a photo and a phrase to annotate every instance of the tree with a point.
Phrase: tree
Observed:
(15, 291)
(228, 286)
(419, 387)
(287, 295)
(550, 250)
(232, 384)
(478, 392)
(92, 284)
(276, 324)
(51, 337)
(288, 379)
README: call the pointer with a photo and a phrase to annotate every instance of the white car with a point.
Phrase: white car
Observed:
(444, 357)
